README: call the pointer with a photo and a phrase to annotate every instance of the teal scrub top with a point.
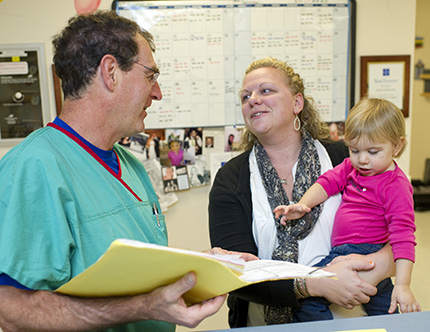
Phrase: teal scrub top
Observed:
(61, 206)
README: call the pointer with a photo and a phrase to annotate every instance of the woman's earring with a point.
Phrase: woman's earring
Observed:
(249, 136)
(297, 123)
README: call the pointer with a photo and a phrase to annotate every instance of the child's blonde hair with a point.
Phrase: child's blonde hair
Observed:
(376, 119)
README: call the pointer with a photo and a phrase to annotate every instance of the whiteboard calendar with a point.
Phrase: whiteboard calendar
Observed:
(203, 49)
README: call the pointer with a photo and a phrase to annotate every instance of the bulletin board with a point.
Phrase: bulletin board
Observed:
(204, 47)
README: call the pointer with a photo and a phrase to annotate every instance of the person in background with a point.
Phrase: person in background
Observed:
(193, 139)
(176, 154)
(334, 131)
(287, 148)
(155, 143)
(377, 205)
(209, 142)
(125, 141)
(229, 144)
(168, 173)
(68, 190)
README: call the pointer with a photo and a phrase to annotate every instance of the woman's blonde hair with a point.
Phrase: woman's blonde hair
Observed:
(309, 116)
(376, 119)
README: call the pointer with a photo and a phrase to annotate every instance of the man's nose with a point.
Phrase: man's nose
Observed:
(156, 93)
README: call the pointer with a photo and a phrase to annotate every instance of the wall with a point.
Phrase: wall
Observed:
(36, 22)
(378, 33)
(420, 133)
(384, 27)
(387, 27)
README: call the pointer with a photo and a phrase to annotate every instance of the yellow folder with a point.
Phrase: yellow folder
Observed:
(132, 267)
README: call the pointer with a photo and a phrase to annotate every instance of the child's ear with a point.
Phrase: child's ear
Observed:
(399, 146)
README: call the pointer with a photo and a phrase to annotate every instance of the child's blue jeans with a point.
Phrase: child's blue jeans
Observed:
(317, 308)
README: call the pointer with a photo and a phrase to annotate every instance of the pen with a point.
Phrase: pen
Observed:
(318, 268)
(155, 211)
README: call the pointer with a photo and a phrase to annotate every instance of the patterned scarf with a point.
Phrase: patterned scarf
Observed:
(308, 171)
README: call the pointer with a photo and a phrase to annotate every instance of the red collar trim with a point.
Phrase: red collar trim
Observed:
(96, 157)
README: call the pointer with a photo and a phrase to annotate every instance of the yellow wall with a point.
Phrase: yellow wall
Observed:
(420, 130)
(386, 27)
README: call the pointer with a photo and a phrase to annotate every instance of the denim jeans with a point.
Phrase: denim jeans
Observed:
(317, 308)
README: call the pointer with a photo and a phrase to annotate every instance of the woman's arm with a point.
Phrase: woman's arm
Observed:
(230, 209)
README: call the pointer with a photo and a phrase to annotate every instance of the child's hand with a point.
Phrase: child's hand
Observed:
(291, 212)
(405, 298)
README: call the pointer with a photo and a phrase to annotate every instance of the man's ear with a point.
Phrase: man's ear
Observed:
(108, 71)
(399, 146)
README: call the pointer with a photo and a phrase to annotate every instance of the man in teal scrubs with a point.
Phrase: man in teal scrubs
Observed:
(68, 190)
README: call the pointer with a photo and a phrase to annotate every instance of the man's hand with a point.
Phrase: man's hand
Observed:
(56, 312)
(168, 304)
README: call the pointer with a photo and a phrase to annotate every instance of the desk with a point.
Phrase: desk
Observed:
(412, 322)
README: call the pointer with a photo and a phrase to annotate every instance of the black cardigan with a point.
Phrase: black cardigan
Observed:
(230, 227)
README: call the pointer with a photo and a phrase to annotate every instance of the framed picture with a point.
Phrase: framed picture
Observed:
(386, 77)
(24, 105)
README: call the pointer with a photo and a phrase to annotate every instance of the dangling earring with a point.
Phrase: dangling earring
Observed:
(297, 123)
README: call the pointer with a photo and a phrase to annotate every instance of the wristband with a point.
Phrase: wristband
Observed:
(300, 288)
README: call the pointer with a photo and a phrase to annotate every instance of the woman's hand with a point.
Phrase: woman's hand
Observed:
(348, 289)
(384, 265)
(243, 255)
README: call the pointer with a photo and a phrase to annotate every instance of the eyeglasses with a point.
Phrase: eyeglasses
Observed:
(153, 78)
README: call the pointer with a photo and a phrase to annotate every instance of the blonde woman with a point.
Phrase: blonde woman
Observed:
(287, 149)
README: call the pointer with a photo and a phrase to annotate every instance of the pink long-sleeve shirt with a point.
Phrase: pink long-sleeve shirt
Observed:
(374, 209)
